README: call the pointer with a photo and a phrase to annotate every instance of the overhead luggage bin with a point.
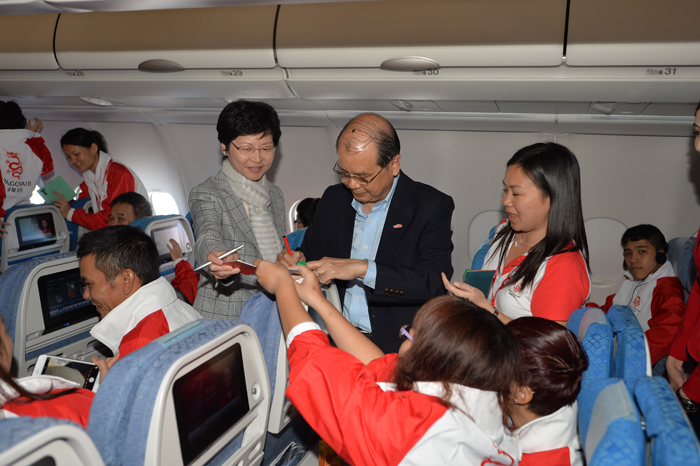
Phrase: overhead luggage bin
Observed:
(635, 33)
(409, 34)
(235, 38)
(35, 50)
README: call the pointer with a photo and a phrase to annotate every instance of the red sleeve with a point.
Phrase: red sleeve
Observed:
(73, 406)
(186, 280)
(690, 317)
(150, 328)
(84, 191)
(605, 307)
(667, 308)
(563, 289)
(339, 397)
(384, 368)
(119, 181)
(558, 457)
(39, 148)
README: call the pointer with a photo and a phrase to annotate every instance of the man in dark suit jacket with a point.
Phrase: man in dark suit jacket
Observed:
(414, 244)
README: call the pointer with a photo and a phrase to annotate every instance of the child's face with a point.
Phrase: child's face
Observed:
(640, 258)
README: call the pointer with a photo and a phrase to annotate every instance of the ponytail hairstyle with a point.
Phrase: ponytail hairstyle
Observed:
(555, 171)
(457, 342)
(552, 363)
(84, 138)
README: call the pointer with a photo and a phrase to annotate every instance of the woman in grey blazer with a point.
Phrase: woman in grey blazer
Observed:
(238, 206)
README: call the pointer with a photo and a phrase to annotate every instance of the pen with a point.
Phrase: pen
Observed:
(236, 249)
(289, 250)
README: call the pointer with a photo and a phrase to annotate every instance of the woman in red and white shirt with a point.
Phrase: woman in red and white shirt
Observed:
(438, 401)
(540, 252)
(105, 179)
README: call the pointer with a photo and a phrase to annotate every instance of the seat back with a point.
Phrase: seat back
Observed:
(672, 439)
(45, 313)
(288, 434)
(161, 229)
(35, 230)
(595, 333)
(680, 254)
(75, 230)
(28, 441)
(631, 348)
(198, 395)
(609, 424)
(480, 256)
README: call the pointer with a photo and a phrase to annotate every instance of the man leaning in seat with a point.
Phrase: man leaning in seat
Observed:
(119, 266)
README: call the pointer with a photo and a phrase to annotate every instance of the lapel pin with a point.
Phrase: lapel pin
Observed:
(398, 225)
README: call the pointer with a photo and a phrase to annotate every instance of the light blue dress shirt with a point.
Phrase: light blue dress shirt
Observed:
(365, 242)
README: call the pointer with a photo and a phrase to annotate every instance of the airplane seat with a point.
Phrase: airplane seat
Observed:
(198, 395)
(161, 229)
(35, 230)
(76, 231)
(605, 255)
(480, 256)
(680, 254)
(285, 428)
(593, 329)
(45, 313)
(632, 358)
(189, 219)
(672, 439)
(609, 424)
(44, 441)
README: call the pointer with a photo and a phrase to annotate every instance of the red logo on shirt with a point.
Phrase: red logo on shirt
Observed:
(637, 301)
(14, 164)
(517, 288)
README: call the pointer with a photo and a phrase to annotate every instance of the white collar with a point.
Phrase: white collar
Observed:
(34, 384)
(550, 432)
(123, 318)
(666, 270)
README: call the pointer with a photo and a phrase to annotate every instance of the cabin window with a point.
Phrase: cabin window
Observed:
(163, 203)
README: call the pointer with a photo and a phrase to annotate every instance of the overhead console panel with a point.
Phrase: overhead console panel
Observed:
(634, 33)
(35, 49)
(207, 38)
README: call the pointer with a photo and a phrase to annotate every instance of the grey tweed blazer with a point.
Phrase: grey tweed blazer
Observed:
(221, 223)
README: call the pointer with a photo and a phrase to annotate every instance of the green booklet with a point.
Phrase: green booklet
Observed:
(58, 184)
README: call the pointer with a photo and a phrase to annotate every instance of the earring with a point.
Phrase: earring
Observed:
(225, 153)
(515, 400)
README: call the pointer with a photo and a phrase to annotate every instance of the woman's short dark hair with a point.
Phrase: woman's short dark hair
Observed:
(121, 247)
(457, 342)
(306, 210)
(84, 138)
(555, 171)
(11, 116)
(647, 232)
(246, 117)
(552, 362)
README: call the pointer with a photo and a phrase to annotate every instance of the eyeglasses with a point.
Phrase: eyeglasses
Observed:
(360, 179)
(250, 150)
(404, 332)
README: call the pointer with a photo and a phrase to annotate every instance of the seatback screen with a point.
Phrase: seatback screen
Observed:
(161, 236)
(209, 400)
(62, 303)
(34, 231)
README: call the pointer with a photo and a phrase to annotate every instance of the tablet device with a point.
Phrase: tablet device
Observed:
(85, 374)
(480, 279)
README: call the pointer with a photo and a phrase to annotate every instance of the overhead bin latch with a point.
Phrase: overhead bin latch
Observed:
(409, 63)
(160, 65)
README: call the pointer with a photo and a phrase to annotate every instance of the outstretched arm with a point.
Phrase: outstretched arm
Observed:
(276, 279)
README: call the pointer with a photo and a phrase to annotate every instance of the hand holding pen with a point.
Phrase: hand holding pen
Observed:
(216, 265)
